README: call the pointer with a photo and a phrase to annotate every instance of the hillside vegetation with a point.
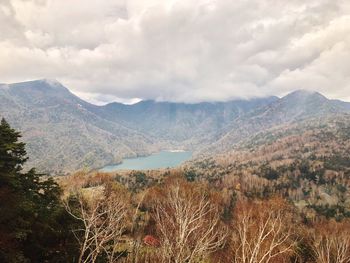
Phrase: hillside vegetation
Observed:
(308, 163)
(279, 197)
(64, 133)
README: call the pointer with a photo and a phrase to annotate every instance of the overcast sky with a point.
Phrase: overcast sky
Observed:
(188, 50)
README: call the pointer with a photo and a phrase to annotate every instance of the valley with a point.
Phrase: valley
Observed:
(145, 164)
(65, 133)
(174, 131)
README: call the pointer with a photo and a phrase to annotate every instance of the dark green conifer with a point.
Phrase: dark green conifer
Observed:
(30, 208)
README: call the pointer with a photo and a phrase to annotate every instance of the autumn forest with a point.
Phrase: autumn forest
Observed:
(250, 206)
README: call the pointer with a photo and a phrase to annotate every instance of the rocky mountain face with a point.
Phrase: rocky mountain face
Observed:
(64, 133)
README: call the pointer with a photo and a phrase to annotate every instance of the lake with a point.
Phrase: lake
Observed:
(164, 159)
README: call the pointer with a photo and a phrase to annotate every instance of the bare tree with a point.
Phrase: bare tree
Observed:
(261, 234)
(188, 224)
(103, 217)
(331, 243)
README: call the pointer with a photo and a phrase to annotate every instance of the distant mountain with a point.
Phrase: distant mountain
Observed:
(185, 125)
(293, 108)
(62, 135)
(65, 133)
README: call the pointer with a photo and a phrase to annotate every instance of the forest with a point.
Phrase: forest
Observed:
(244, 207)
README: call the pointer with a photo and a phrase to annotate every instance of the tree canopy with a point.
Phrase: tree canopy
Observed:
(29, 205)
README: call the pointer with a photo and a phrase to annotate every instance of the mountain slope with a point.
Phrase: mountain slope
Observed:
(189, 125)
(293, 108)
(61, 134)
(64, 133)
(306, 161)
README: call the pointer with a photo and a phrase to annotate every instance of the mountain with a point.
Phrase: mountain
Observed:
(293, 108)
(65, 133)
(185, 125)
(62, 135)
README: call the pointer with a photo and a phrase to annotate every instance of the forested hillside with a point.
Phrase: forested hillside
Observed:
(174, 131)
(308, 163)
(189, 125)
(294, 108)
(65, 133)
(283, 196)
(62, 134)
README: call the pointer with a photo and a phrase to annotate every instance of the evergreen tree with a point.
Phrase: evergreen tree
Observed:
(31, 216)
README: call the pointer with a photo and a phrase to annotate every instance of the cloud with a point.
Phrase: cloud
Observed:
(189, 50)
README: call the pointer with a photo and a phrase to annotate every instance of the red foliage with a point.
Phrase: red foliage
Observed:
(151, 241)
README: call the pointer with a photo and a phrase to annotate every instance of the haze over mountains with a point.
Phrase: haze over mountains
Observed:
(65, 133)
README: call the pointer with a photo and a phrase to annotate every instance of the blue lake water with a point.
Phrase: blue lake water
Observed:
(159, 160)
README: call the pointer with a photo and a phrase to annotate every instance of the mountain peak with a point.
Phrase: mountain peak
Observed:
(303, 92)
(42, 85)
(304, 95)
(51, 82)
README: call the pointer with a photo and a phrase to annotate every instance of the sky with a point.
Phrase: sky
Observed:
(168, 50)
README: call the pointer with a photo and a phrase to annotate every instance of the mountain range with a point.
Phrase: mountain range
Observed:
(65, 133)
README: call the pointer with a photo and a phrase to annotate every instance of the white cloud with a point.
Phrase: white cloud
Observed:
(189, 50)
